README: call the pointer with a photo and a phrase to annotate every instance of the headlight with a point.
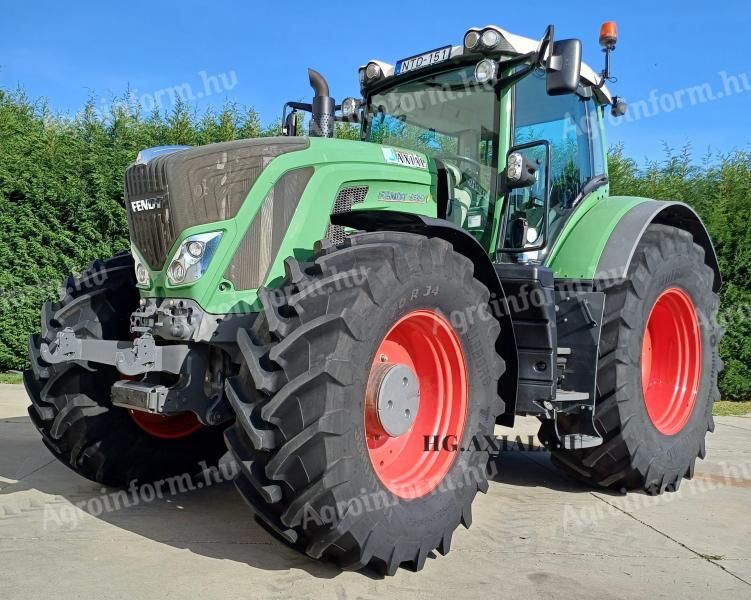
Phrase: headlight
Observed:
(373, 71)
(486, 70)
(192, 258)
(514, 167)
(142, 273)
(471, 40)
(195, 248)
(349, 107)
(490, 38)
(177, 273)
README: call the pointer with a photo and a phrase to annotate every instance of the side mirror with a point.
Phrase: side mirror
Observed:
(563, 67)
(526, 184)
(351, 109)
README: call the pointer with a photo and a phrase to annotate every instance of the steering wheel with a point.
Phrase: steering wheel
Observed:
(460, 158)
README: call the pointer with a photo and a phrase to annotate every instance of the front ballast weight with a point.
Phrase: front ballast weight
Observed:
(143, 357)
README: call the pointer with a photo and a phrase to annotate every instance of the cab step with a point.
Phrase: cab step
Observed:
(579, 441)
(566, 396)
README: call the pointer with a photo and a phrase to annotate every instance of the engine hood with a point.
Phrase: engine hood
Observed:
(189, 187)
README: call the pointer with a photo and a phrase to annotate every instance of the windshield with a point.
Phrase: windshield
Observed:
(451, 118)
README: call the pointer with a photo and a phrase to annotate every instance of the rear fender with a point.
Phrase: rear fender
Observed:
(617, 255)
(599, 245)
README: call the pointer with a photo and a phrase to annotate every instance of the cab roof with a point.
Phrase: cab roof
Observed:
(512, 45)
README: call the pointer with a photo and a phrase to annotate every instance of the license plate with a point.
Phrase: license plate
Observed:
(423, 60)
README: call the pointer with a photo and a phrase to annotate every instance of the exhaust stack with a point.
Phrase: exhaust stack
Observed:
(322, 122)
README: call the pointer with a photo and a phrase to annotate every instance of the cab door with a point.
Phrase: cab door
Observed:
(571, 125)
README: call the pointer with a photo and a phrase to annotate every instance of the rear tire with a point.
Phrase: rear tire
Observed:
(643, 448)
(300, 438)
(70, 402)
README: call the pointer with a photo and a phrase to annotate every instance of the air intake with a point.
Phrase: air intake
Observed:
(345, 200)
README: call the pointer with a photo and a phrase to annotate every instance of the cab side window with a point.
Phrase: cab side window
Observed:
(595, 114)
(564, 122)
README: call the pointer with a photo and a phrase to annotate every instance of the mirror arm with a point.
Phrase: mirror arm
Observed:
(353, 119)
(518, 60)
(555, 63)
(545, 45)
(506, 82)
(305, 106)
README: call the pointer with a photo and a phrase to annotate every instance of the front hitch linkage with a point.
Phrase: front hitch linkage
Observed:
(136, 358)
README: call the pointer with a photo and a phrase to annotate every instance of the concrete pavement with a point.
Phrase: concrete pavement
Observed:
(536, 534)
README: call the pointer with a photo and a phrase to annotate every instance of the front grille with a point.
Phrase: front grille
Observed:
(345, 200)
(194, 187)
(151, 231)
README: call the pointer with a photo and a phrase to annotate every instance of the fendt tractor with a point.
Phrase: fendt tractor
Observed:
(353, 318)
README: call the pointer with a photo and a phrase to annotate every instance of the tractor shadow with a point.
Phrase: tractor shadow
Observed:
(528, 465)
(531, 467)
(211, 521)
(45, 497)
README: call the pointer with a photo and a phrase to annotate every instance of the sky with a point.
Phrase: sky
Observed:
(685, 71)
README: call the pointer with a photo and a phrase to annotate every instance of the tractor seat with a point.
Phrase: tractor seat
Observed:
(459, 199)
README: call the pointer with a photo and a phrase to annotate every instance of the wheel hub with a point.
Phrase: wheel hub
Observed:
(422, 349)
(671, 361)
(392, 399)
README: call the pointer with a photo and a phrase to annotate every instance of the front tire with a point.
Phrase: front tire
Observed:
(657, 373)
(70, 402)
(310, 464)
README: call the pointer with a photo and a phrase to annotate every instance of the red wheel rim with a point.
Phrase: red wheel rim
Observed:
(671, 361)
(170, 427)
(426, 343)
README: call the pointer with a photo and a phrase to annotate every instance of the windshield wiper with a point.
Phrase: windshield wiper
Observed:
(590, 185)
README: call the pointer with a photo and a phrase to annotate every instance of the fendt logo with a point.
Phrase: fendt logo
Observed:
(146, 204)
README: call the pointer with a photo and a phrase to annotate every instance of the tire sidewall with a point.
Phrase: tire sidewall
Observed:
(673, 452)
(459, 304)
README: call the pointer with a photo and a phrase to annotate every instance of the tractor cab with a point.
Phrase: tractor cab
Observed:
(488, 110)
(484, 112)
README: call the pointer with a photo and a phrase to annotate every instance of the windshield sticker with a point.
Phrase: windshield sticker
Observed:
(407, 159)
(387, 196)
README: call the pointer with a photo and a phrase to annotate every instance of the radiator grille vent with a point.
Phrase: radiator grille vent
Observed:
(260, 244)
(345, 200)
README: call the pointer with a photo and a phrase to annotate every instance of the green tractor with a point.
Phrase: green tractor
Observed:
(352, 319)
